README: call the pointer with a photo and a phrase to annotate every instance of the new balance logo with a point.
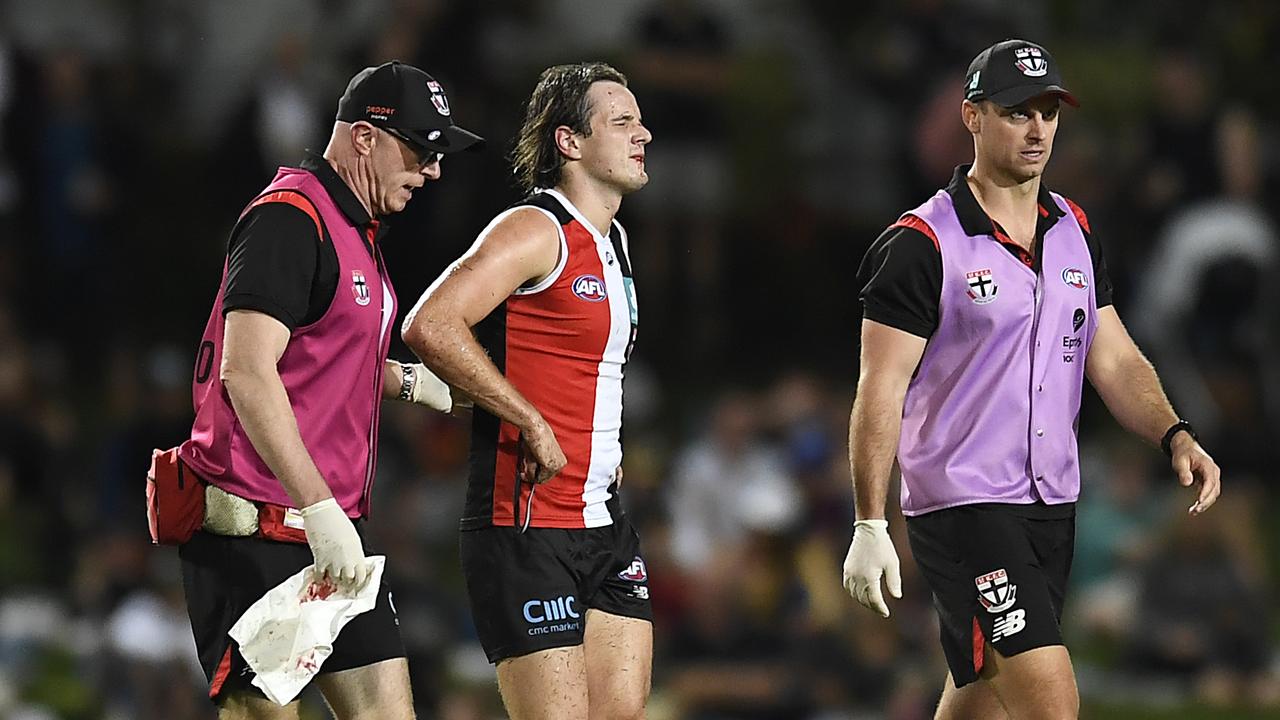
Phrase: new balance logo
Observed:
(1010, 624)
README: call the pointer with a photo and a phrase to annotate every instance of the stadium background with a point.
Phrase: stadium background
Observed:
(787, 135)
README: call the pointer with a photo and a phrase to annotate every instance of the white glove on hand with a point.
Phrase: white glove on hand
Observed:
(871, 556)
(430, 390)
(335, 544)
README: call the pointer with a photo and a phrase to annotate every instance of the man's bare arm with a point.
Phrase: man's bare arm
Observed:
(1129, 386)
(524, 246)
(888, 360)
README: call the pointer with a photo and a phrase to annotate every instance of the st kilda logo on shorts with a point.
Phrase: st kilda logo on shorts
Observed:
(995, 592)
(589, 288)
(359, 288)
(982, 286)
(1030, 61)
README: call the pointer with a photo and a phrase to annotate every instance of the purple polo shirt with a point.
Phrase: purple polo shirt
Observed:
(991, 413)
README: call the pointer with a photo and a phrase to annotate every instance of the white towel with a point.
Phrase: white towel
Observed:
(288, 633)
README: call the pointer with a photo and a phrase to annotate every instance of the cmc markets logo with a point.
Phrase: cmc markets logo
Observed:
(553, 615)
(589, 288)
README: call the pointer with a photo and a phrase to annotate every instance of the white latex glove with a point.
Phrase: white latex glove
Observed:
(335, 544)
(871, 556)
(430, 390)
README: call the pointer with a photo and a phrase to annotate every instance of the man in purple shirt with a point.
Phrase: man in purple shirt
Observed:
(985, 309)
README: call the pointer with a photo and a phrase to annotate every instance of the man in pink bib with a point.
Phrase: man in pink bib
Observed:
(289, 380)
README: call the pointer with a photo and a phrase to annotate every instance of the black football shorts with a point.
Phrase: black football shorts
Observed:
(223, 576)
(998, 574)
(530, 591)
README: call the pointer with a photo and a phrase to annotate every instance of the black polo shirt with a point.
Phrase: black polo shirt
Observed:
(279, 265)
(901, 274)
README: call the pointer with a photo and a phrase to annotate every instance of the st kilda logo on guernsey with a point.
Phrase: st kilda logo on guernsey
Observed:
(982, 287)
(1030, 61)
(359, 288)
(589, 288)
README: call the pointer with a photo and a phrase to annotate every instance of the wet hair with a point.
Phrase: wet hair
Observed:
(560, 98)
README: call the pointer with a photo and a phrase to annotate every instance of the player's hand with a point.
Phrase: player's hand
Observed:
(542, 458)
(617, 478)
(1192, 464)
(871, 557)
(335, 545)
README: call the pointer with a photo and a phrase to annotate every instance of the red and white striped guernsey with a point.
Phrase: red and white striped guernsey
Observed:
(563, 343)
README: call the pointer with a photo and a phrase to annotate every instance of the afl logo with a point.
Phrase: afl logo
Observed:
(589, 288)
(1030, 61)
(635, 572)
(1075, 278)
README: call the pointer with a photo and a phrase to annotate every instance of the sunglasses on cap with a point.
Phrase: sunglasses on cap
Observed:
(425, 158)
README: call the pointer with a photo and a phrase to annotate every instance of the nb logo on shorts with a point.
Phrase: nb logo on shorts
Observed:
(1010, 624)
(995, 592)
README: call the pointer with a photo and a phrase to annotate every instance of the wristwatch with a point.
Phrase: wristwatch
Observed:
(1166, 442)
(407, 380)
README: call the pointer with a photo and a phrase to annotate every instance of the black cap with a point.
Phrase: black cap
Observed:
(1012, 72)
(406, 99)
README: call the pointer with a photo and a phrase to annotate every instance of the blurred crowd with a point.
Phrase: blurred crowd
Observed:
(787, 135)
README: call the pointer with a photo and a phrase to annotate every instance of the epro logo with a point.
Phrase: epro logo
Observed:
(589, 288)
(1075, 278)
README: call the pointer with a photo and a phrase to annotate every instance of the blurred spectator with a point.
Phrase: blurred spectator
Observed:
(1202, 612)
(726, 484)
(680, 66)
(1203, 312)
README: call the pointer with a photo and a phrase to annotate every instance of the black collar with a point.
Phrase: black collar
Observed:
(975, 220)
(337, 188)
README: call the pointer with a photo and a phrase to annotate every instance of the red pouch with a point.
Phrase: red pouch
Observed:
(276, 522)
(175, 499)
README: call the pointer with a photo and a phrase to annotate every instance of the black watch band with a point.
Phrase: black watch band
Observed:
(1166, 442)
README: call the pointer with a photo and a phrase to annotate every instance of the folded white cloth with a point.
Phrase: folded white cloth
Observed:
(288, 633)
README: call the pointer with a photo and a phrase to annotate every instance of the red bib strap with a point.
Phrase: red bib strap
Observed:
(290, 197)
(915, 223)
